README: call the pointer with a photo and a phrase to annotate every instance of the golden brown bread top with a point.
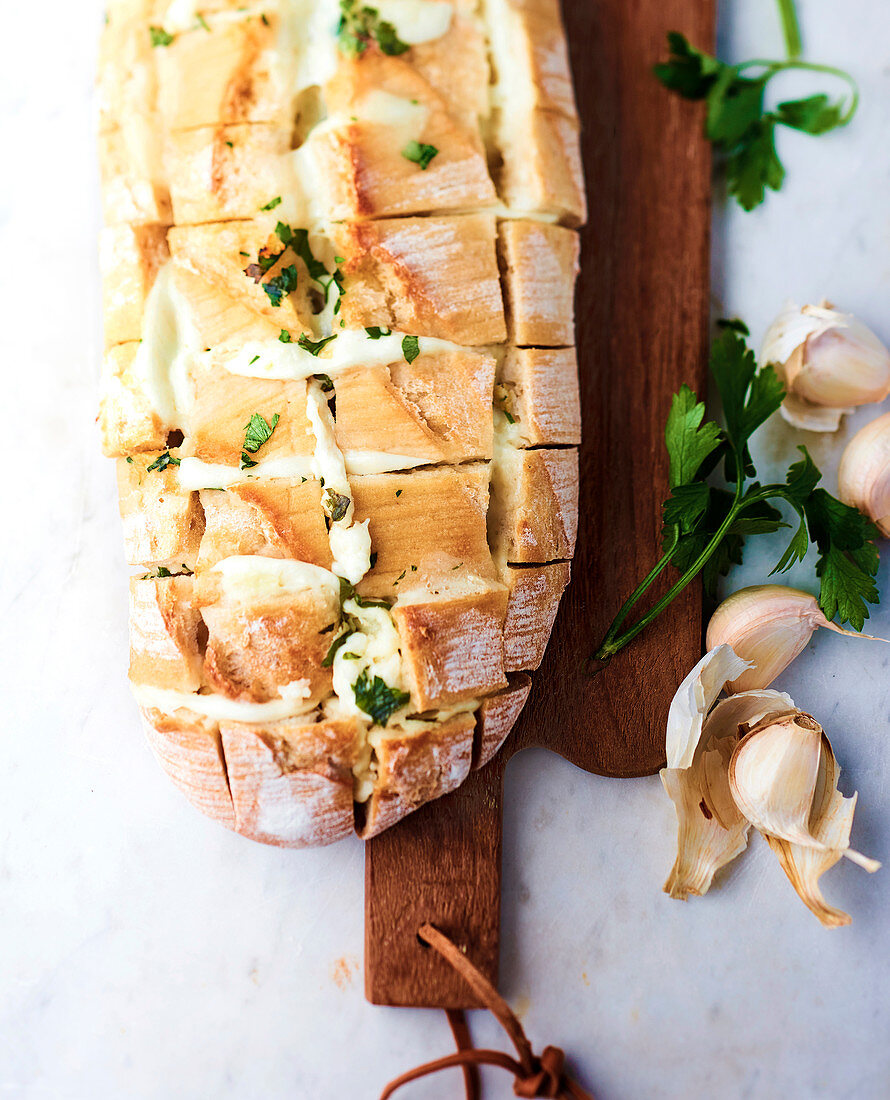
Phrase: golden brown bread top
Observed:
(338, 299)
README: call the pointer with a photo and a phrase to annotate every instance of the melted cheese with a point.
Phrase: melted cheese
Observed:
(350, 541)
(352, 348)
(376, 648)
(169, 340)
(416, 21)
(194, 473)
(251, 579)
(217, 707)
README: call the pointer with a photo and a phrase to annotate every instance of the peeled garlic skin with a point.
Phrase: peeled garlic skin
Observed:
(768, 625)
(864, 474)
(842, 366)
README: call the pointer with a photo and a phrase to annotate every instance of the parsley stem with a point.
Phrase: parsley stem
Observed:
(773, 67)
(632, 599)
(790, 28)
(611, 645)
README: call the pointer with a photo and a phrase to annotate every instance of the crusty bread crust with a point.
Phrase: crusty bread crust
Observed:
(417, 767)
(259, 204)
(498, 715)
(189, 750)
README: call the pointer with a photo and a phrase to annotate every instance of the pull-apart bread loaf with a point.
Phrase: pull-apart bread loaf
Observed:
(340, 387)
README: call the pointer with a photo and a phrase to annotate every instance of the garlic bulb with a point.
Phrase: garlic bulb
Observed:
(767, 625)
(783, 779)
(864, 474)
(829, 362)
(752, 758)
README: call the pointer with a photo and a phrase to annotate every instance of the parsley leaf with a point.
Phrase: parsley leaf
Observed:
(162, 462)
(272, 203)
(420, 153)
(755, 166)
(336, 505)
(159, 37)
(339, 641)
(816, 114)
(410, 348)
(848, 558)
(257, 432)
(314, 346)
(282, 284)
(704, 526)
(360, 25)
(689, 442)
(737, 123)
(285, 337)
(375, 332)
(377, 699)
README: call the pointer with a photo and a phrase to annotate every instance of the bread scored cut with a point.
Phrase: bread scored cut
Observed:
(340, 387)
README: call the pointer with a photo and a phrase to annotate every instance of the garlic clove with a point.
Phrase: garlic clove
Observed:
(780, 777)
(710, 829)
(864, 474)
(831, 819)
(721, 730)
(811, 418)
(694, 698)
(704, 845)
(768, 625)
(826, 359)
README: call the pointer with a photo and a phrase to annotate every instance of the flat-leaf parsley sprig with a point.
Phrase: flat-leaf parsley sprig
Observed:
(704, 526)
(737, 123)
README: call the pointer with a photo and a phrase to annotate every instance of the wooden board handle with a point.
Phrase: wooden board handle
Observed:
(442, 865)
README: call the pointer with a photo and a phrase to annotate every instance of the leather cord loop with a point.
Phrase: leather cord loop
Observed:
(534, 1076)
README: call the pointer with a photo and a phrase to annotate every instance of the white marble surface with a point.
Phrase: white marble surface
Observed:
(146, 953)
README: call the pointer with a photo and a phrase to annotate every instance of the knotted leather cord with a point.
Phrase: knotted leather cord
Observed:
(534, 1076)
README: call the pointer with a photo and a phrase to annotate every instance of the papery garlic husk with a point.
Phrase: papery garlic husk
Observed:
(829, 361)
(694, 698)
(710, 830)
(783, 780)
(864, 474)
(768, 625)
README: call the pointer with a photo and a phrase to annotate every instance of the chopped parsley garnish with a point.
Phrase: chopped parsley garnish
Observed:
(737, 123)
(410, 348)
(340, 640)
(325, 382)
(284, 283)
(375, 332)
(399, 492)
(130, 459)
(704, 526)
(202, 22)
(359, 26)
(314, 346)
(285, 337)
(377, 699)
(162, 462)
(339, 259)
(335, 504)
(257, 431)
(159, 37)
(348, 592)
(272, 203)
(419, 153)
(298, 240)
(251, 363)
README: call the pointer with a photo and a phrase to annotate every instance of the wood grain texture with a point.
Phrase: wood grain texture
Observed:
(642, 317)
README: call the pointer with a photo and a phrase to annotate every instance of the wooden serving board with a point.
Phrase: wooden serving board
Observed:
(642, 310)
